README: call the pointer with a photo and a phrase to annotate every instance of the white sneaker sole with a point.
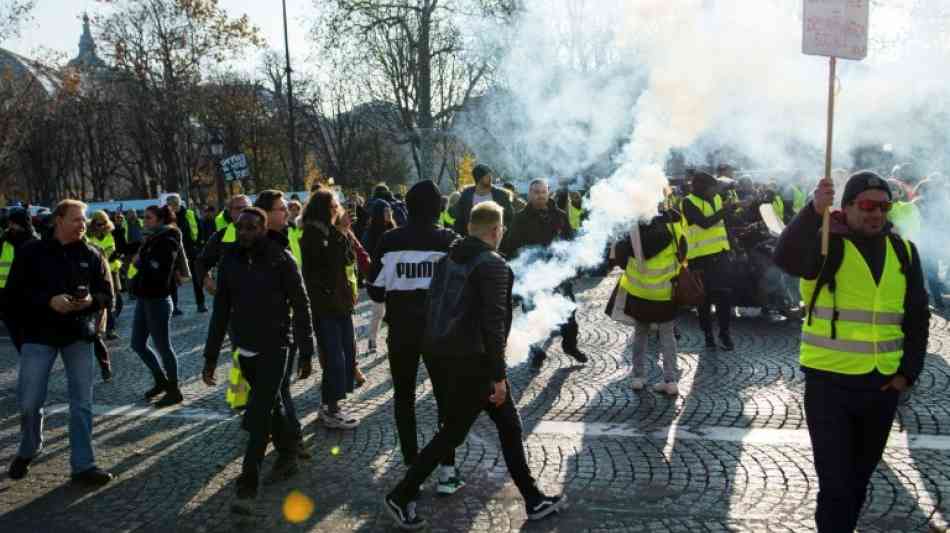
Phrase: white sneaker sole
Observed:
(448, 490)
(399, 523)
(561, 504)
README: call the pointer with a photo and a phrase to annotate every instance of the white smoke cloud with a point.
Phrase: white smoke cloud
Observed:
(707, 74)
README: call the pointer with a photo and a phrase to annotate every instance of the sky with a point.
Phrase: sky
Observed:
(57, 24)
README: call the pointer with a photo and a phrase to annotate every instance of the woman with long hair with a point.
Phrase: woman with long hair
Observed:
(152, 280)
(329, 273)
(381, 221)
(100, 237)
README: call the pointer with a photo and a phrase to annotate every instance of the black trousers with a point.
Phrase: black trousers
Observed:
(196, 284)
(718, 290)
(264, 415)
(848, 429)
(470, 392)
(404, 355)
(286, 398)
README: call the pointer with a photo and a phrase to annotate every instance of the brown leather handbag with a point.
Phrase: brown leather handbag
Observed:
(688, 286)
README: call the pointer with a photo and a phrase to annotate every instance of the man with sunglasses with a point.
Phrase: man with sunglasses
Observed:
(863, 339)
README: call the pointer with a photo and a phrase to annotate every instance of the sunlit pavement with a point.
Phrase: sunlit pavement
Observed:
(731, 453)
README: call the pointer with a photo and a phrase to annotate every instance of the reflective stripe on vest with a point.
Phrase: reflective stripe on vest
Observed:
(867, 331)
(446, 219)
(703, 242)
(6, 261)
(238, 387)
(654, 281)
(230, 234)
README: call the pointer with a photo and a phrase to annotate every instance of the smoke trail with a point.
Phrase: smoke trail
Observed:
(717, 74)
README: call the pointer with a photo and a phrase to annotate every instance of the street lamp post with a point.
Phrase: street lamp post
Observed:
(217, 150)
(291, 126)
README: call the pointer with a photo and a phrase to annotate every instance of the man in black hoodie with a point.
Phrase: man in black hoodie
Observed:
(402, 269)
(259, 280)
(468, 318)
(19, 232)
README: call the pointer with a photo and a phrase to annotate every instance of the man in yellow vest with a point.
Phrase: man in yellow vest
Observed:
(863, 339)
(223, 239)
(705, 211)
(188, 224)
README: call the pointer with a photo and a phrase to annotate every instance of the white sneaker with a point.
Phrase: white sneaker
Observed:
(637, 383)
(337, 420)
(670, 388)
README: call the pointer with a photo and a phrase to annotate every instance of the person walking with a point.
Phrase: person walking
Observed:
(187, 222)
(863, 339)
(709, 247)
(18, 233)
(381, 220)
(261, 279)
(468, 318)
(329, 272)
(152, 280)
(59, 285)
(650, 257)
(101, 239)
(540, 224)
(482, 191)
(223, 240)
(402, 271)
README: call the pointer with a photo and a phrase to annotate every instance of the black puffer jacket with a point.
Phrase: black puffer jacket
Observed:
(257, 290)
(156, 264)
(536, 227)
(487, 316)
(44, 269)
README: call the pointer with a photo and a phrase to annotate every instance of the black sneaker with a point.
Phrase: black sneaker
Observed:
(544, 506)
(726, 342)
(537, 358)
(172, 397)
(574, 352)
(711, 342)
(107, 374)
(202, 309)
(19, 467)
(284, 468)
(404, 515)
(177, 312)
(94, 477)
(160, 387)
(246, 494)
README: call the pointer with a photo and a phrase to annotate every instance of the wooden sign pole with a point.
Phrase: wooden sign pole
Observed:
(826, 216)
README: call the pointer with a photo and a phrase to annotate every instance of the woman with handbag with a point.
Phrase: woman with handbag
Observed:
(152, 278)
(644, 295)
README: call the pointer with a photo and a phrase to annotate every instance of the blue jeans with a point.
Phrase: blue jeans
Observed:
(338, 357)
(152, 316)
(36, 362)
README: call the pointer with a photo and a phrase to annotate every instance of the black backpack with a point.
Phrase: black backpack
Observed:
(829, 269)
(449, 326)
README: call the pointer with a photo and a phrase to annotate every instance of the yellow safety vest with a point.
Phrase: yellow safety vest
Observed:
(906, 219)
(868, 334)
(294, 235)
(798, 199)
(238, 387)
(574, 214)
(192, 224)
(446, 219)
(220, 222)
(778, 205)
(6, 260)
(655, 281)
(106, 245)
(351, 278)
(703, 242)
(230, 234)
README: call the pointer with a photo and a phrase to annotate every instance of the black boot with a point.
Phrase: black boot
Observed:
(726, 340)
(710, 341)
(161, 384)
(172, 396)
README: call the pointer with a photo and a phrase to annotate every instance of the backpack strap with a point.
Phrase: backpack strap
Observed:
(902, 249)
(826, 278)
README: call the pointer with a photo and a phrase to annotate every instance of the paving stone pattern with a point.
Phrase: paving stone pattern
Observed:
(626, 471)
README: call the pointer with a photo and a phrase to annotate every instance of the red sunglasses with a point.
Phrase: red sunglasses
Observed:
(871, 205)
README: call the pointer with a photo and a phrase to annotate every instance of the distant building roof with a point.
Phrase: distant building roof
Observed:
(18, 67)
(87, 60)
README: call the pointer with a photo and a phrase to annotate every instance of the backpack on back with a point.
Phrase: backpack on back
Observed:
(448, 325)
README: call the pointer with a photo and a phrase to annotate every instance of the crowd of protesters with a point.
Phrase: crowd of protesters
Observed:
(435, 268)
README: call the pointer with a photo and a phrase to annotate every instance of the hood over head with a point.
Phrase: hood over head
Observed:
(424, 201)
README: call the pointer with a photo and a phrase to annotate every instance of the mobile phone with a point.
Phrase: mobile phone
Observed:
(81, 292)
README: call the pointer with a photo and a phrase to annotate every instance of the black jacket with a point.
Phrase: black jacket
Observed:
(155, 277)
(401, 272)
(799, 254)
(257, 290)
(211, 253)
(44, 269)
(464, 207)
(488, 312)
(536, 227)
(326, 252)
(185, 226)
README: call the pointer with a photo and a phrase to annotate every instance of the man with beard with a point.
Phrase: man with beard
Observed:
(539, 224)
(482, 191)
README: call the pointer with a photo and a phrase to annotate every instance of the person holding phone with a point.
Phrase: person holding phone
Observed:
(61, 285)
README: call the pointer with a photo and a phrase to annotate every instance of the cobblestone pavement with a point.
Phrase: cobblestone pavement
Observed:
(730, 454)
